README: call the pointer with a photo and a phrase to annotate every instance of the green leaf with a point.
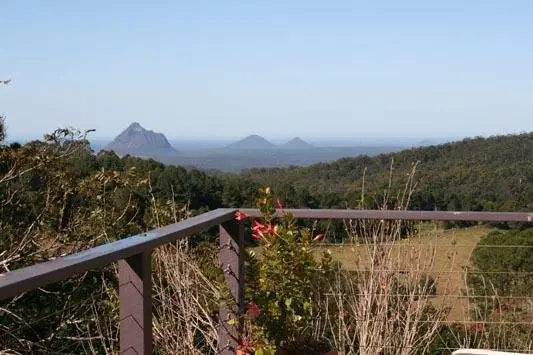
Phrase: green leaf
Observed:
(288, 302)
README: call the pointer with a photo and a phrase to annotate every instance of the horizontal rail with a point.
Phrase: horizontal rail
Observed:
(19, 281)
(134, 255)
(26, 279)
(402, 215)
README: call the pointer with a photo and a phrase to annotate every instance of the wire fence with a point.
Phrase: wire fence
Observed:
(475, 294)
(446, 289)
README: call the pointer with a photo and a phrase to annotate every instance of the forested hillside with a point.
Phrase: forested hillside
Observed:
(493, 174)
(59, 197)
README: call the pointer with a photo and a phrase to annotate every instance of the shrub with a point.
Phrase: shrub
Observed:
(288, 278)
(501, 260)
(428, 283)
(500, 283)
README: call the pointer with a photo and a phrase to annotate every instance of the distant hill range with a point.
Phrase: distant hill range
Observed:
(136, 140)
(298, 143)
(253, 151)
(252, 142)
(256, 142)
(428, 142)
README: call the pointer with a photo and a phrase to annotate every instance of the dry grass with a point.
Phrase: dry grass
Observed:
(434, 251)
(383, 308)
(184, 303)
(452, 249)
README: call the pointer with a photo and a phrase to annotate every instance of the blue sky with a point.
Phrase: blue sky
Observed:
(278, 68)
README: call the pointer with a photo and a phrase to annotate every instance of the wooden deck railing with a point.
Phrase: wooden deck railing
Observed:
(134, 257)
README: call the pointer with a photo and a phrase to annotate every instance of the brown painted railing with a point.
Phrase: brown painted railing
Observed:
(134, 257)
(135, 283)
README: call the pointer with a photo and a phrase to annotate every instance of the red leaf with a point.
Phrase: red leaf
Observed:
(240, 216)
(252, 310)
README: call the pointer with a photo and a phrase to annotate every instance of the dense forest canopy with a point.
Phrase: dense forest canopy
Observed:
(492, 174)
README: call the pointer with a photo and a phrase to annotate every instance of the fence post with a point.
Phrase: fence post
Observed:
(135, 292)
(231, 259)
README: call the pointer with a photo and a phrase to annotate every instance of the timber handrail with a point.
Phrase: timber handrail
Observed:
(29, 278)
(402, 215)
(134, 257)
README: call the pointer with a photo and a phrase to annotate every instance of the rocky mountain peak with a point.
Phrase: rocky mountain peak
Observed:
(137, 140)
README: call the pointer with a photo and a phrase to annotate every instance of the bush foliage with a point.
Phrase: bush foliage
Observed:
(58, 197)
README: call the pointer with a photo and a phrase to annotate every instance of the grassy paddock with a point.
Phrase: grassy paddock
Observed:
(443, 253)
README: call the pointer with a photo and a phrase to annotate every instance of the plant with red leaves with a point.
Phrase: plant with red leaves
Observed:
(241, 216)
(283, 304)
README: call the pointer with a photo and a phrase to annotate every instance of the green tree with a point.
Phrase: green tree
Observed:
(502, 263)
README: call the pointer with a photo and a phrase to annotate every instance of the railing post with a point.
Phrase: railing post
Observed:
(135, 292)
(232, 262)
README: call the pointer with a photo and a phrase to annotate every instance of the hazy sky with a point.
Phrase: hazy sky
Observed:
(276, 68)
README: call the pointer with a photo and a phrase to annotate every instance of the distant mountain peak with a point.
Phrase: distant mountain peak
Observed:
(297, 143)
(253, 141)
(137, 140)
(136, 126)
